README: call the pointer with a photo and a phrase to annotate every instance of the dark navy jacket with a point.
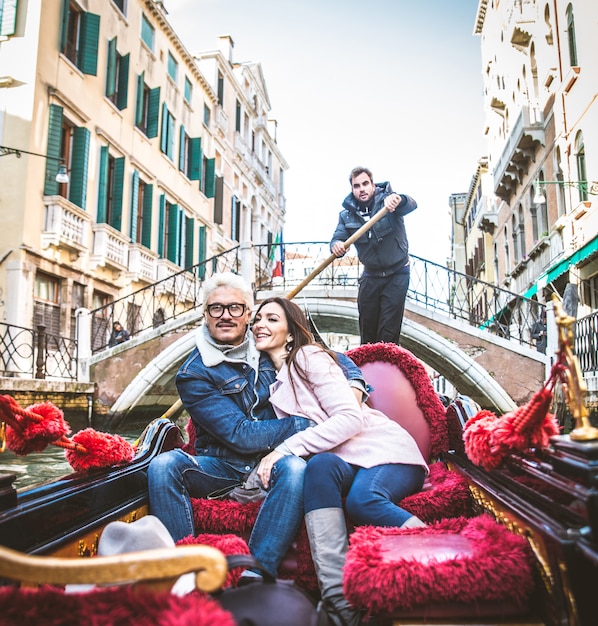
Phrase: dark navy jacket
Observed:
(384, 249)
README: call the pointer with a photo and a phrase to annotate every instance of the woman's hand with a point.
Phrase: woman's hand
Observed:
(265, 467)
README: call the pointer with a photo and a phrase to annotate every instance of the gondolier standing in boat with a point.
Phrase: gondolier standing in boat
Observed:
(225, 387)
(383, 250)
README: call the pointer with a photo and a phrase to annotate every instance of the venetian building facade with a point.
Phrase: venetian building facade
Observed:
(536, 201)
(150, 137)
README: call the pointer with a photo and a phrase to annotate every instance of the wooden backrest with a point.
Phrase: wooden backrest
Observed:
(404, 392)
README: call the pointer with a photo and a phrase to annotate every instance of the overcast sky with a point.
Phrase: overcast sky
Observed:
(393, 85)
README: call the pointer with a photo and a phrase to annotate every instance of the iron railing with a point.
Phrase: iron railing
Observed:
(159, 302)
(432, 286)
(25, 352)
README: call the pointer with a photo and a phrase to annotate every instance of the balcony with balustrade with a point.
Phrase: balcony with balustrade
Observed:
(110, 248)
(65, 225)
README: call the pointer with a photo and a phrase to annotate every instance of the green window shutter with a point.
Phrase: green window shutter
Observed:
(134, 203)
(122, 98)
(164, 129)
(202, 252)
(8, 17)
(64, 25)
(54, 149)
(170, 137)
(111, 69)
(219, 201)
(79, 163)
(139, 103)
(161, 219)
(189, 241)
(117, 193)
(146, 235)
(211, 178)
(102, 186)
(174, 234)
(194, 158)
(182, 149)
(153, 112)
(89, 40)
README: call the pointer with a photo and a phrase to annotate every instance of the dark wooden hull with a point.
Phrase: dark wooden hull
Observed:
(552, 500)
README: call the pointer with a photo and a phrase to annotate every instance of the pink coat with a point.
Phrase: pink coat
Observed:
(359, 435)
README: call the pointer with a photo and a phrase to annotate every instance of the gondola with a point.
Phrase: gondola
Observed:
(513, 540)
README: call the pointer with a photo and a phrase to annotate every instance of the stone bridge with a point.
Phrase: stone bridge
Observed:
(136, 380)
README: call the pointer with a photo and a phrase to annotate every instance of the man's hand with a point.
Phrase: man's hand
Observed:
(265, 467)
(392, 202)
(338, 249)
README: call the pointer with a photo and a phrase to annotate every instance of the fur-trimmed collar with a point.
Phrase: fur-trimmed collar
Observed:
(213, 353)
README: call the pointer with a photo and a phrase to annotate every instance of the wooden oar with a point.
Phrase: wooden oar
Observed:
(353, 238)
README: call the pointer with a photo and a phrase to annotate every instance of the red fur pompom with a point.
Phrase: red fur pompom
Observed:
(39, 425)
(101, 450)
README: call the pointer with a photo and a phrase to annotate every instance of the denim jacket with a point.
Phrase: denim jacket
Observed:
(229, 404)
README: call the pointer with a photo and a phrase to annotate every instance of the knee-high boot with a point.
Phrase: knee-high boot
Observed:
(327, 532)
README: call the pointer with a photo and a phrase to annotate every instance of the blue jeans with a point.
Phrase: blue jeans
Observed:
(175, 477)
(370, 493)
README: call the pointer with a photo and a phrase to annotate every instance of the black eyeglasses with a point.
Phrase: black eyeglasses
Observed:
(235, 309)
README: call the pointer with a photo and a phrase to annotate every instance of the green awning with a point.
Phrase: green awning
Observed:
(562, 266)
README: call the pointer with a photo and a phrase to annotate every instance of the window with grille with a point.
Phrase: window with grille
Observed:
(46, 306)
(100, 322)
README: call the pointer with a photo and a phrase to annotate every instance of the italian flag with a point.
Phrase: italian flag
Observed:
(276, 256)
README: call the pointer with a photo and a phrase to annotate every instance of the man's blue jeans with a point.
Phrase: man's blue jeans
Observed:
(175, 477)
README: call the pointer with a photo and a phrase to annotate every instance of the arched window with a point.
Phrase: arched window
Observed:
(533, 210)
(580, 157)
(571, 37)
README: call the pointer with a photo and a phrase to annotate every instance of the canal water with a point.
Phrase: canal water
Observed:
(40, 467)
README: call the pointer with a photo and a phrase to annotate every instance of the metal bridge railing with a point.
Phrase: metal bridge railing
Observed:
(432, 286)
(25, 352)
(35, 353)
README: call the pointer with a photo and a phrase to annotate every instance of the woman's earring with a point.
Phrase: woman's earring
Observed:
(289, 344)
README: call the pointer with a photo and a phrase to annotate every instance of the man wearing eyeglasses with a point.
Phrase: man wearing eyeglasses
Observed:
(225, 386)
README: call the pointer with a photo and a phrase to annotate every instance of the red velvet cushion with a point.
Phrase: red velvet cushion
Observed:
(464, 566)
